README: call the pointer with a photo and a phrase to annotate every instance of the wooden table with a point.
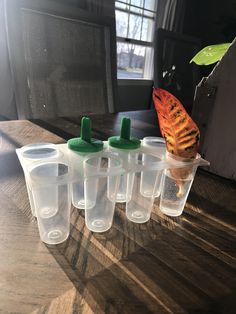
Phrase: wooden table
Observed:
(168, 265)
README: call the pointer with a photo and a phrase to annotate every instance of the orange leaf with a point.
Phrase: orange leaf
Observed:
(180, 132)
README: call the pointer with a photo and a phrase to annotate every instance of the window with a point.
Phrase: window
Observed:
(135, 23)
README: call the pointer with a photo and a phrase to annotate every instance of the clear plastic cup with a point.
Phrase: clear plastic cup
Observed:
(81, 148)
(157, 150)
(31, 153)
(52, 200)
(127, 158)
(125, 146)
(141, 193)
(177, 182)
(77, 186)
(98, 169)
(156, 145)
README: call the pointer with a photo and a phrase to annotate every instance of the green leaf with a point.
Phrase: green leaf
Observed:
(210, 54)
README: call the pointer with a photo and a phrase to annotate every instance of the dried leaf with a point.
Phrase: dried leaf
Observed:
(180, 132)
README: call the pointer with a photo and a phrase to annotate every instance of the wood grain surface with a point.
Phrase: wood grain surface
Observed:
(168, 265)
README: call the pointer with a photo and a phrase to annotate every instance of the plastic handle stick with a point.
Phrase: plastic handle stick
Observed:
(85, 132)
(125, 128)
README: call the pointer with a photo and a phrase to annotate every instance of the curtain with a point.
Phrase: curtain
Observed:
(170, 14)
(7, 99)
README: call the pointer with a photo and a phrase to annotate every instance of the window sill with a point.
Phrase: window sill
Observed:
(139, 82)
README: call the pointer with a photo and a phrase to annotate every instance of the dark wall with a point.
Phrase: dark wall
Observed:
(134, 95)
(76, 3)
(213, 21)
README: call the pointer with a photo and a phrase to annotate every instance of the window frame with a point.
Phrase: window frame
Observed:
(148, 60)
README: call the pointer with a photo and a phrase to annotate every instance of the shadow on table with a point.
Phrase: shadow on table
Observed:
(141, 268)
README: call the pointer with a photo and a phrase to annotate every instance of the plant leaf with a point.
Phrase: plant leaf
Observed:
(210, 54)
(180, 132)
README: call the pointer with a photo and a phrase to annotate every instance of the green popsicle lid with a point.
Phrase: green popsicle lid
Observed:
(84, 143)
(124, 141)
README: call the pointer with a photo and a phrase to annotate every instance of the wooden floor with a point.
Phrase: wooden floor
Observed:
(168, 265)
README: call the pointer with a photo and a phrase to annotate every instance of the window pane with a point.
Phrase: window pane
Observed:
(147, 29)
(149, 4)
(135, 10)
(135, 19)
(138, 3)
(121, 23)
(135, 24)
(121, 5)
(124, 1)
(150, 14)
(131, 60)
